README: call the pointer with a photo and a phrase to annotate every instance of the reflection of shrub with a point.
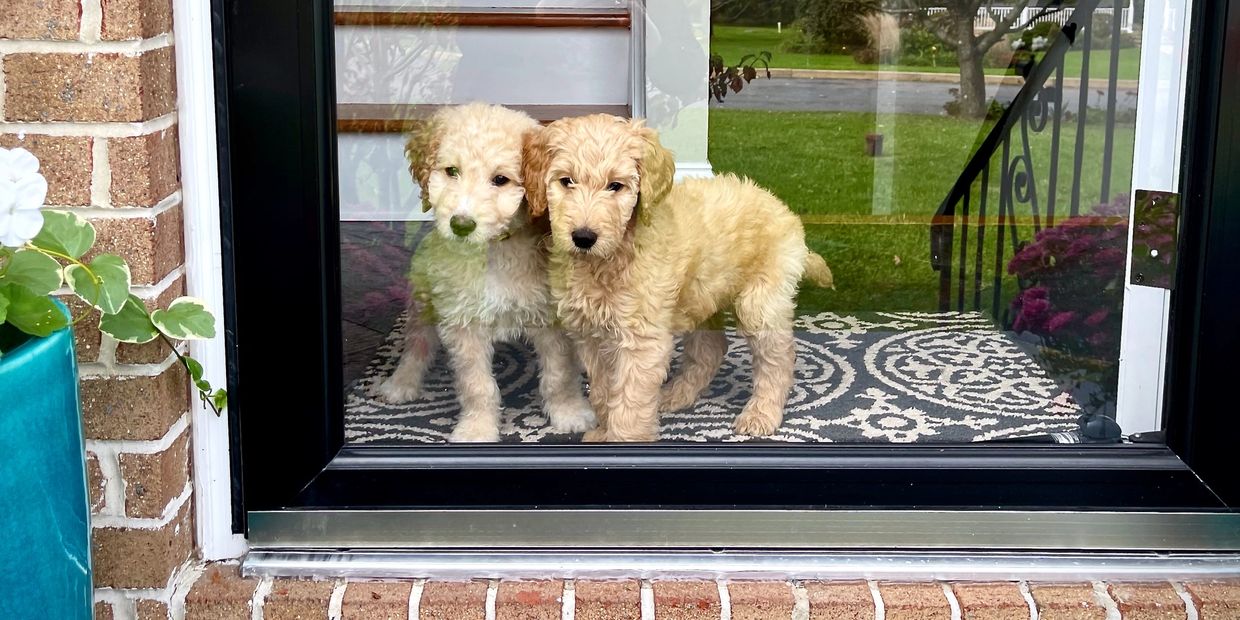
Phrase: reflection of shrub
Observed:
(883, 37)
(1100, 34)
(999, 56)
(1046, 31)
(954, 107)
(921, 48)
(835, 26)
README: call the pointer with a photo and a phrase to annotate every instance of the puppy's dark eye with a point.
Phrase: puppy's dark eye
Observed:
(499, 180)
(452, 171)
(614, 186)
(565, 181)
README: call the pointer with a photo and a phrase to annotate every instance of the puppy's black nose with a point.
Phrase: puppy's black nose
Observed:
(462, 225)
(584, 238)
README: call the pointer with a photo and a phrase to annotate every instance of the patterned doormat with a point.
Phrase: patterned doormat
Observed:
(885, 377)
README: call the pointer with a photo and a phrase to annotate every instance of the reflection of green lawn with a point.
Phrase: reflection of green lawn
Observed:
(733, 42)
(879, 247)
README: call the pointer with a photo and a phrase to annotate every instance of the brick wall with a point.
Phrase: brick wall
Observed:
(89, 87)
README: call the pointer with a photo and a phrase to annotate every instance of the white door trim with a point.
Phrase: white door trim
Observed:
(1155, 166)
(204, 270)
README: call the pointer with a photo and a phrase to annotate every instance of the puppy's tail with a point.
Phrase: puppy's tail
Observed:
(817, 271)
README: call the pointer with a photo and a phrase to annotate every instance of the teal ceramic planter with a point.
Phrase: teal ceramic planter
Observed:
(44, 511)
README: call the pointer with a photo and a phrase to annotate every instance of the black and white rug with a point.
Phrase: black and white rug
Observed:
(885, 377)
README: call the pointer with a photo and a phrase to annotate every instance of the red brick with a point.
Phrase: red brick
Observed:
(40, 19)
(135, 19)
(991, 601)
(144, 168)
(686, 600)
(376, 600)
(151, 246)
(152, 610)
(103, 611)
(292, 599)
(1067, 602)
(759, 600)
(95, 482)
(840, 600)
(89, 87)
(134, 407)
(529, 600)
(1147, 601)
(453, 600)
(915, 601)
(1216, 600)
(220, 594)
(154, 480)
(138, 558)
(86, 334)
(66, 163)
(607, 600)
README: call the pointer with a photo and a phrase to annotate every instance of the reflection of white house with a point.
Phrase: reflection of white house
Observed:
(397, 60)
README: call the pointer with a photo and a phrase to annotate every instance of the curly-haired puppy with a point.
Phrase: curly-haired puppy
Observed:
(481, 275)
(637, 260)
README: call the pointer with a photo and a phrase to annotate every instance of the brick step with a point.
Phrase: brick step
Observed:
(220, 592)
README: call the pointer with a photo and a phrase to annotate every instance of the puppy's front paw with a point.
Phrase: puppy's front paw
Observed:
(396, 392)
(474, 431)
(756, 423)
(596, 435)
(571, 416)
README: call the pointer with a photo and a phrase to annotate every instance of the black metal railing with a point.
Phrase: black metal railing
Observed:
(968, 218)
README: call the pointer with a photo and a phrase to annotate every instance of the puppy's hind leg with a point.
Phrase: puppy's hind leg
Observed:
(639, 369)
(704, 351)
(560, 382)
(471, 350)
(765, 315)
(405, 384)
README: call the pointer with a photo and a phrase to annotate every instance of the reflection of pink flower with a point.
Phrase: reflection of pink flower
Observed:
(1060, 320)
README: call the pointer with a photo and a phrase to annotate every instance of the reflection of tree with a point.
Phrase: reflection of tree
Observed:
(375, 67)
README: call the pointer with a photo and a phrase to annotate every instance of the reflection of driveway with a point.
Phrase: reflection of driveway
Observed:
(903, 97)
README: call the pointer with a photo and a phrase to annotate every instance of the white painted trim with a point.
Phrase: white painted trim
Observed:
(693, 169)
(204, 271)
(1155, 166)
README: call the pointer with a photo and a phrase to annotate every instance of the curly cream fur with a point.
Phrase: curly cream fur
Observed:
(490, 285)
(668, 260)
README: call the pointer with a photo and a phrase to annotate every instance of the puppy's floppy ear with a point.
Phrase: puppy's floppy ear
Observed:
(421, 149)
(657, 169)
(535, 160)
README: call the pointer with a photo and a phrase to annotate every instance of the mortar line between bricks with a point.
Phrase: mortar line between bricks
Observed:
(1104, 599)
(121, 213)
(952, 601)
(568, 600)
(122, 606)
(128, 47)
(113, 483)
(800, 601)
(3, 87)
(145, 523)
(646, 594)
(142, 446)
(148, 292)
(178, 585)
(335, 605)
(97, 370)
(415, 598)
(880, 611)
(1028, 594)
(260, 598)
(492, 593)
(101, 129)
(189, 574)
(725, 600)
(90, 27)
(1190, 608)
(100, 174)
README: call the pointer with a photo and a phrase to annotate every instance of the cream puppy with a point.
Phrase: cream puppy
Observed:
(481, 276)
(637, 260)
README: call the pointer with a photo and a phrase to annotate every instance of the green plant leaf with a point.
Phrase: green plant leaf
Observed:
(220, 400)
(32, 313)
(203, 385)
(132, 324)
(34, 270)
(4, 303)
(112, 289)
(186, 318)
(65, 233)
(195, 369)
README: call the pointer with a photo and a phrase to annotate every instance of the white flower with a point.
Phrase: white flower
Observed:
(22, 191)
(1040, 43)
(1017, 44)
